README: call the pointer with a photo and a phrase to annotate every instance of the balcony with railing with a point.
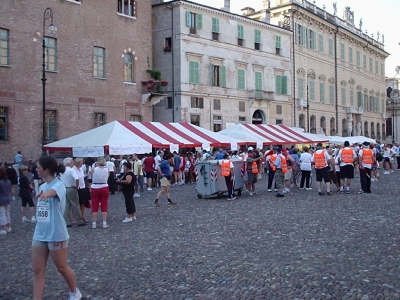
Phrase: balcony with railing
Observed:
(355, 110)
(262, 95)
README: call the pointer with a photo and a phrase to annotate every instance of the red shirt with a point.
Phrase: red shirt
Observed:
(148, 164)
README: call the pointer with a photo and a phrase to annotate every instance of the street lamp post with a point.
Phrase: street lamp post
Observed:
(310, 73)
(48, 14)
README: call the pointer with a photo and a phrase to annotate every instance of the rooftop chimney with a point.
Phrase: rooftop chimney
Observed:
(227, 5)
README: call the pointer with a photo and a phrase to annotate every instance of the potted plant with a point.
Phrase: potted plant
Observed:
(167, 49)
(164, 82)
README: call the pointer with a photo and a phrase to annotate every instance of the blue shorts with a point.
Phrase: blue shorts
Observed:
(52, 246)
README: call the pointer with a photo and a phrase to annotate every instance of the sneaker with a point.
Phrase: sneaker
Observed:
(94, 226)
(13, 198)
(341, 191)
(250, 193)
(280, 195)
(24, 219)
(321, 193)
(172, 203)
(361, 192)
(134, 218)
(180, 183)
(308, 189)
(229, 199)
(329, 193)
(386, 173)
(126, 220)
(136, 195)
(156, 204)
(149, 189)
(8, 229)
(269, 190)
(106, 226)
(391, 171)
(33, 220)
(301, 188)
(3, 232)
(76, 295)
(347, 191)
(275, 190)
(233, 198)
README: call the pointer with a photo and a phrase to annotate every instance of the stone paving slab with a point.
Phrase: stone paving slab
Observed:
(302, 246)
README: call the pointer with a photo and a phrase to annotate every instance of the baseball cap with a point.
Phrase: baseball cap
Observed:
(250, 149)
(365, 143)
(284, 150)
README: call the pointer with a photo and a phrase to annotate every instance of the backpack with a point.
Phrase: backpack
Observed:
(379, 156)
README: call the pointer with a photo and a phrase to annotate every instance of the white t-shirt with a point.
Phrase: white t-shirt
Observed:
(122, 166)
(69, 177)
(110, 166)
(305, 161)
(157, 160)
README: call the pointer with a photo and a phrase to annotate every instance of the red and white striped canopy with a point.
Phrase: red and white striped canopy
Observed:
(268, 134)
(147, 134)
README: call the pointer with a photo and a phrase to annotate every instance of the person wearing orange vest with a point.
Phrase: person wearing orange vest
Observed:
(290, 164)
(227, 171)
(346, 157)
(281, 168)
(252, 170)
(366, 159)
(270, 159)
(321, 159)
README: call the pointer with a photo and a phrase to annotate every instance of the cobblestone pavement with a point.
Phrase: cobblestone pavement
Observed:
(302, 246)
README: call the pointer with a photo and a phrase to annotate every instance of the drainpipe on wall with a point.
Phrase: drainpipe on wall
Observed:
(294, 68)
(172, 62)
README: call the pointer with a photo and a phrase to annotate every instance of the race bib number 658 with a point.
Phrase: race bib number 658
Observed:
(43, 211)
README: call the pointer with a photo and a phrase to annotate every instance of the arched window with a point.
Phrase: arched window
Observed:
(366, 129)
(344, 127)
(302, 121)
(323, 125)
(383, 131)
(332, 126)
(378, 131)
(372, 130)
(128, 67)
(313, 124)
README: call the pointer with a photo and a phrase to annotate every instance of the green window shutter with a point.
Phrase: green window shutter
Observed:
(258, 76)
(196, 73)
(240, 31)
(314, 41)
(322, 92)
(257, 36)
(359, 99)
(300, 85)
(284, 85)
(351, 98)
(321, 42)
(188, 18)
(199, 21)
(241, 79)
(331, 94)
(278, 84)
(278, 42)
(304, 36)
(222, 76)
(215, 25)
(312, 90)
(296, 33)
(342, 55)
(330, 47)
(358, 58)
(212, 75)
(193, 72)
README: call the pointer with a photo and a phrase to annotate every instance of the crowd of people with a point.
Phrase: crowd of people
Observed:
(64, 191)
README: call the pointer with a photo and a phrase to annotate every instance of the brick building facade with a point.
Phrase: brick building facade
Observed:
(100, 50)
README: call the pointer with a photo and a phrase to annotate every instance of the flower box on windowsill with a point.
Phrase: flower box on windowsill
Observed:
(167, 49)
(164, 82)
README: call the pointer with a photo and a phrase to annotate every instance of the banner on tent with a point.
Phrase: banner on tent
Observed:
(129, 149)
(87, 151)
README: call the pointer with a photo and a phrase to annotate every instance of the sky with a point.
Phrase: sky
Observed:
(378, 15)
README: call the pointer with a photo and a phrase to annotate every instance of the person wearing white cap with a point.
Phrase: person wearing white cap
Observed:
(366, 159)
